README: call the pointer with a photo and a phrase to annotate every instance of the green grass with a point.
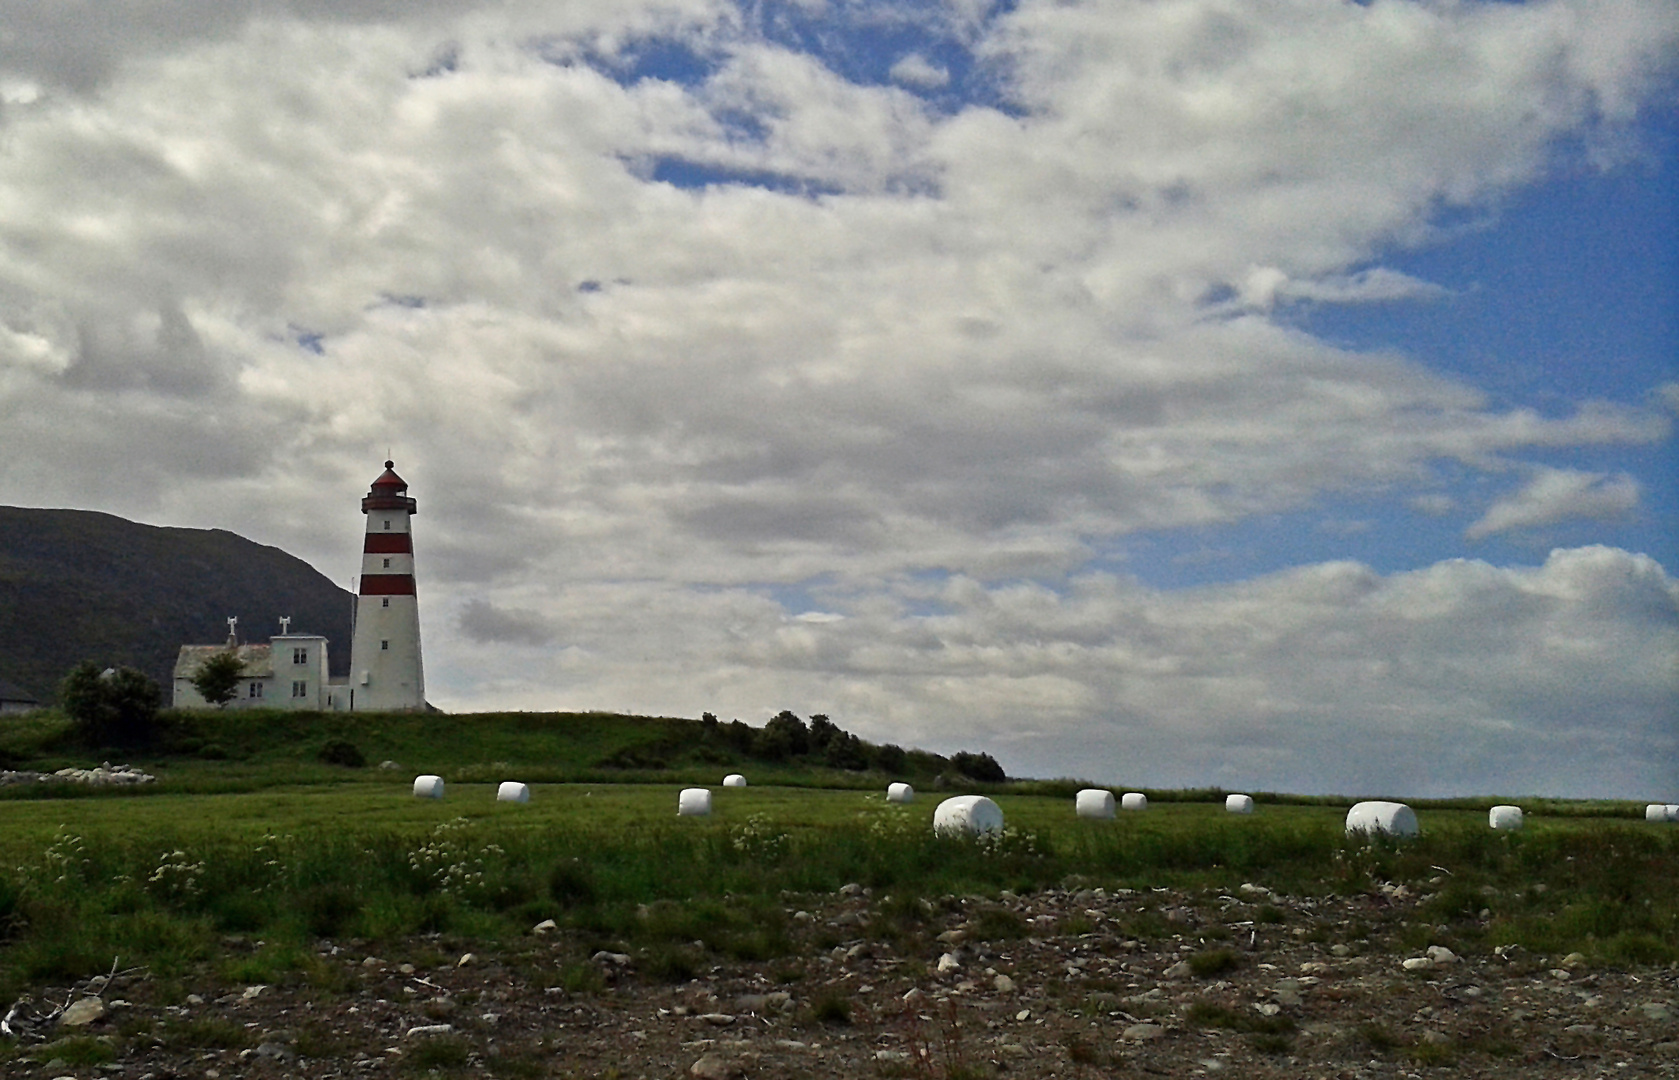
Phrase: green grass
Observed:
(163, 879)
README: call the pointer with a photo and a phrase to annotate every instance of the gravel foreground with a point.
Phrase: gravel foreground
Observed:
(1245, 984)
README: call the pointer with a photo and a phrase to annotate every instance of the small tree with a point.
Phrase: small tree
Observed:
(217, 680)
(110, 706)
(981, 767)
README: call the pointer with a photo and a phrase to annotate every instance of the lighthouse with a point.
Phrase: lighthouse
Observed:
(385, 668)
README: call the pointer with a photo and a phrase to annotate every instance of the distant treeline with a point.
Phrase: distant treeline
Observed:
(788, 739)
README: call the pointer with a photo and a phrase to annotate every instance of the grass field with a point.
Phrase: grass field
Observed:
(164, 880)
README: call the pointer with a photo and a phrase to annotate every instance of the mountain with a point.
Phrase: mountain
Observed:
(77, 585)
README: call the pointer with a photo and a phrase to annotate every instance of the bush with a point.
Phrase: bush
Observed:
(981, 767)
(343, 752)
(110, 706)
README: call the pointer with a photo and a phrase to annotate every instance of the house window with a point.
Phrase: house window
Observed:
(387, 564)
(300, 656)
(256, 689)
(299, 689)
(385, 645)
(386, 602)
(387, 523)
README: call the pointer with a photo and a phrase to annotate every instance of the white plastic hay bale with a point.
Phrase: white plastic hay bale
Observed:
(694, 802)
(900, 793)
(1505, 817)
(513, 791)
(967, 814)
(1673, 811)
(1134, 800)
(1391, 818)
(1096, 803)
(1656, 812)
(1238, 804)
(428, 787)
(734, 779)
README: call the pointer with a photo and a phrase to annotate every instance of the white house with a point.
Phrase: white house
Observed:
(386, 668)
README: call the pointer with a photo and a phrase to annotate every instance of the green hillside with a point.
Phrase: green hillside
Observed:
(77, 585)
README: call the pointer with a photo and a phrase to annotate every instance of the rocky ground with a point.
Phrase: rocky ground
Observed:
(1085, 983)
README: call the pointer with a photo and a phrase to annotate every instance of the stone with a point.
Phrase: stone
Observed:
(914, 996)
(1003, 984)
(1418, 963)
(1179, 970)
(466, 960)
(1574, 960)
(851, 889)
(545, 927)
(1435, 1038)
(952, 937)
(424, 1030)
(1267, 1008)
(82, 1013)
(1340, 950)
(276, 1051)
(715, 1067)
(253, 992)
(1142, 1032)
(616, 959)
(949, 963)
(1441, 955)
(1655, 1010)
(716, 1019)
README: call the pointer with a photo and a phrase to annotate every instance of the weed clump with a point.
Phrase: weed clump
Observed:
(1214, 962)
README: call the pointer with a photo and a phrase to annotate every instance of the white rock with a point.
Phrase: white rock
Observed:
(1238, 804)
(1418, 963)
(82, 1013)
(1094, 803)
(1134, 800)
(734, 779)
(545, 927)
(428, 787)
(949, 963)
(1441, 955)
(1505, 817)
(423, 1030)
(513, 791)
(1143, 1032)
(694, 802)
(1377, 816)
(1179, 970)
(1003, 984)
(900, 793)
(967, 814)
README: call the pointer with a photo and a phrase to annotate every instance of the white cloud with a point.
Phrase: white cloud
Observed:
(1460, 677)
(1554, 495)
(916, 70)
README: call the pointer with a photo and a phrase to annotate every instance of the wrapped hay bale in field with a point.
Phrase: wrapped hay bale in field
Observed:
(428, 787)
(513, 791)
(694, 802)
(900, 793)
(1656, 812)
(1238, 804)
(1505, 817)
(1134, 800)
(967, 815)
(1389, 818)
(734, 779)
(1097, 803)
(1673, 811)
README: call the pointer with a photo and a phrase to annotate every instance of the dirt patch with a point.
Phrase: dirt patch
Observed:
(1063, 983)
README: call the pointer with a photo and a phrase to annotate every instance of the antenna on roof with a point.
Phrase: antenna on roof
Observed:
(285, 625)
(232, 632)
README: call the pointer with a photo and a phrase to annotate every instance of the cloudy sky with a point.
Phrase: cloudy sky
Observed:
(1275, 394)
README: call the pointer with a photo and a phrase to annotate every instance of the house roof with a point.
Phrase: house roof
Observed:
(258, 660)
(17, 694)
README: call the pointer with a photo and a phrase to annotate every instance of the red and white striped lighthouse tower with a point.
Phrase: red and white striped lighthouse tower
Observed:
(385, 667)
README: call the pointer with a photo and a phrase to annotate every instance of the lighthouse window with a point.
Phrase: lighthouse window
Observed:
(386, 602)
(256, 689)
(385, 645)
(387, 564)
(300, 656)
(299, 689)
